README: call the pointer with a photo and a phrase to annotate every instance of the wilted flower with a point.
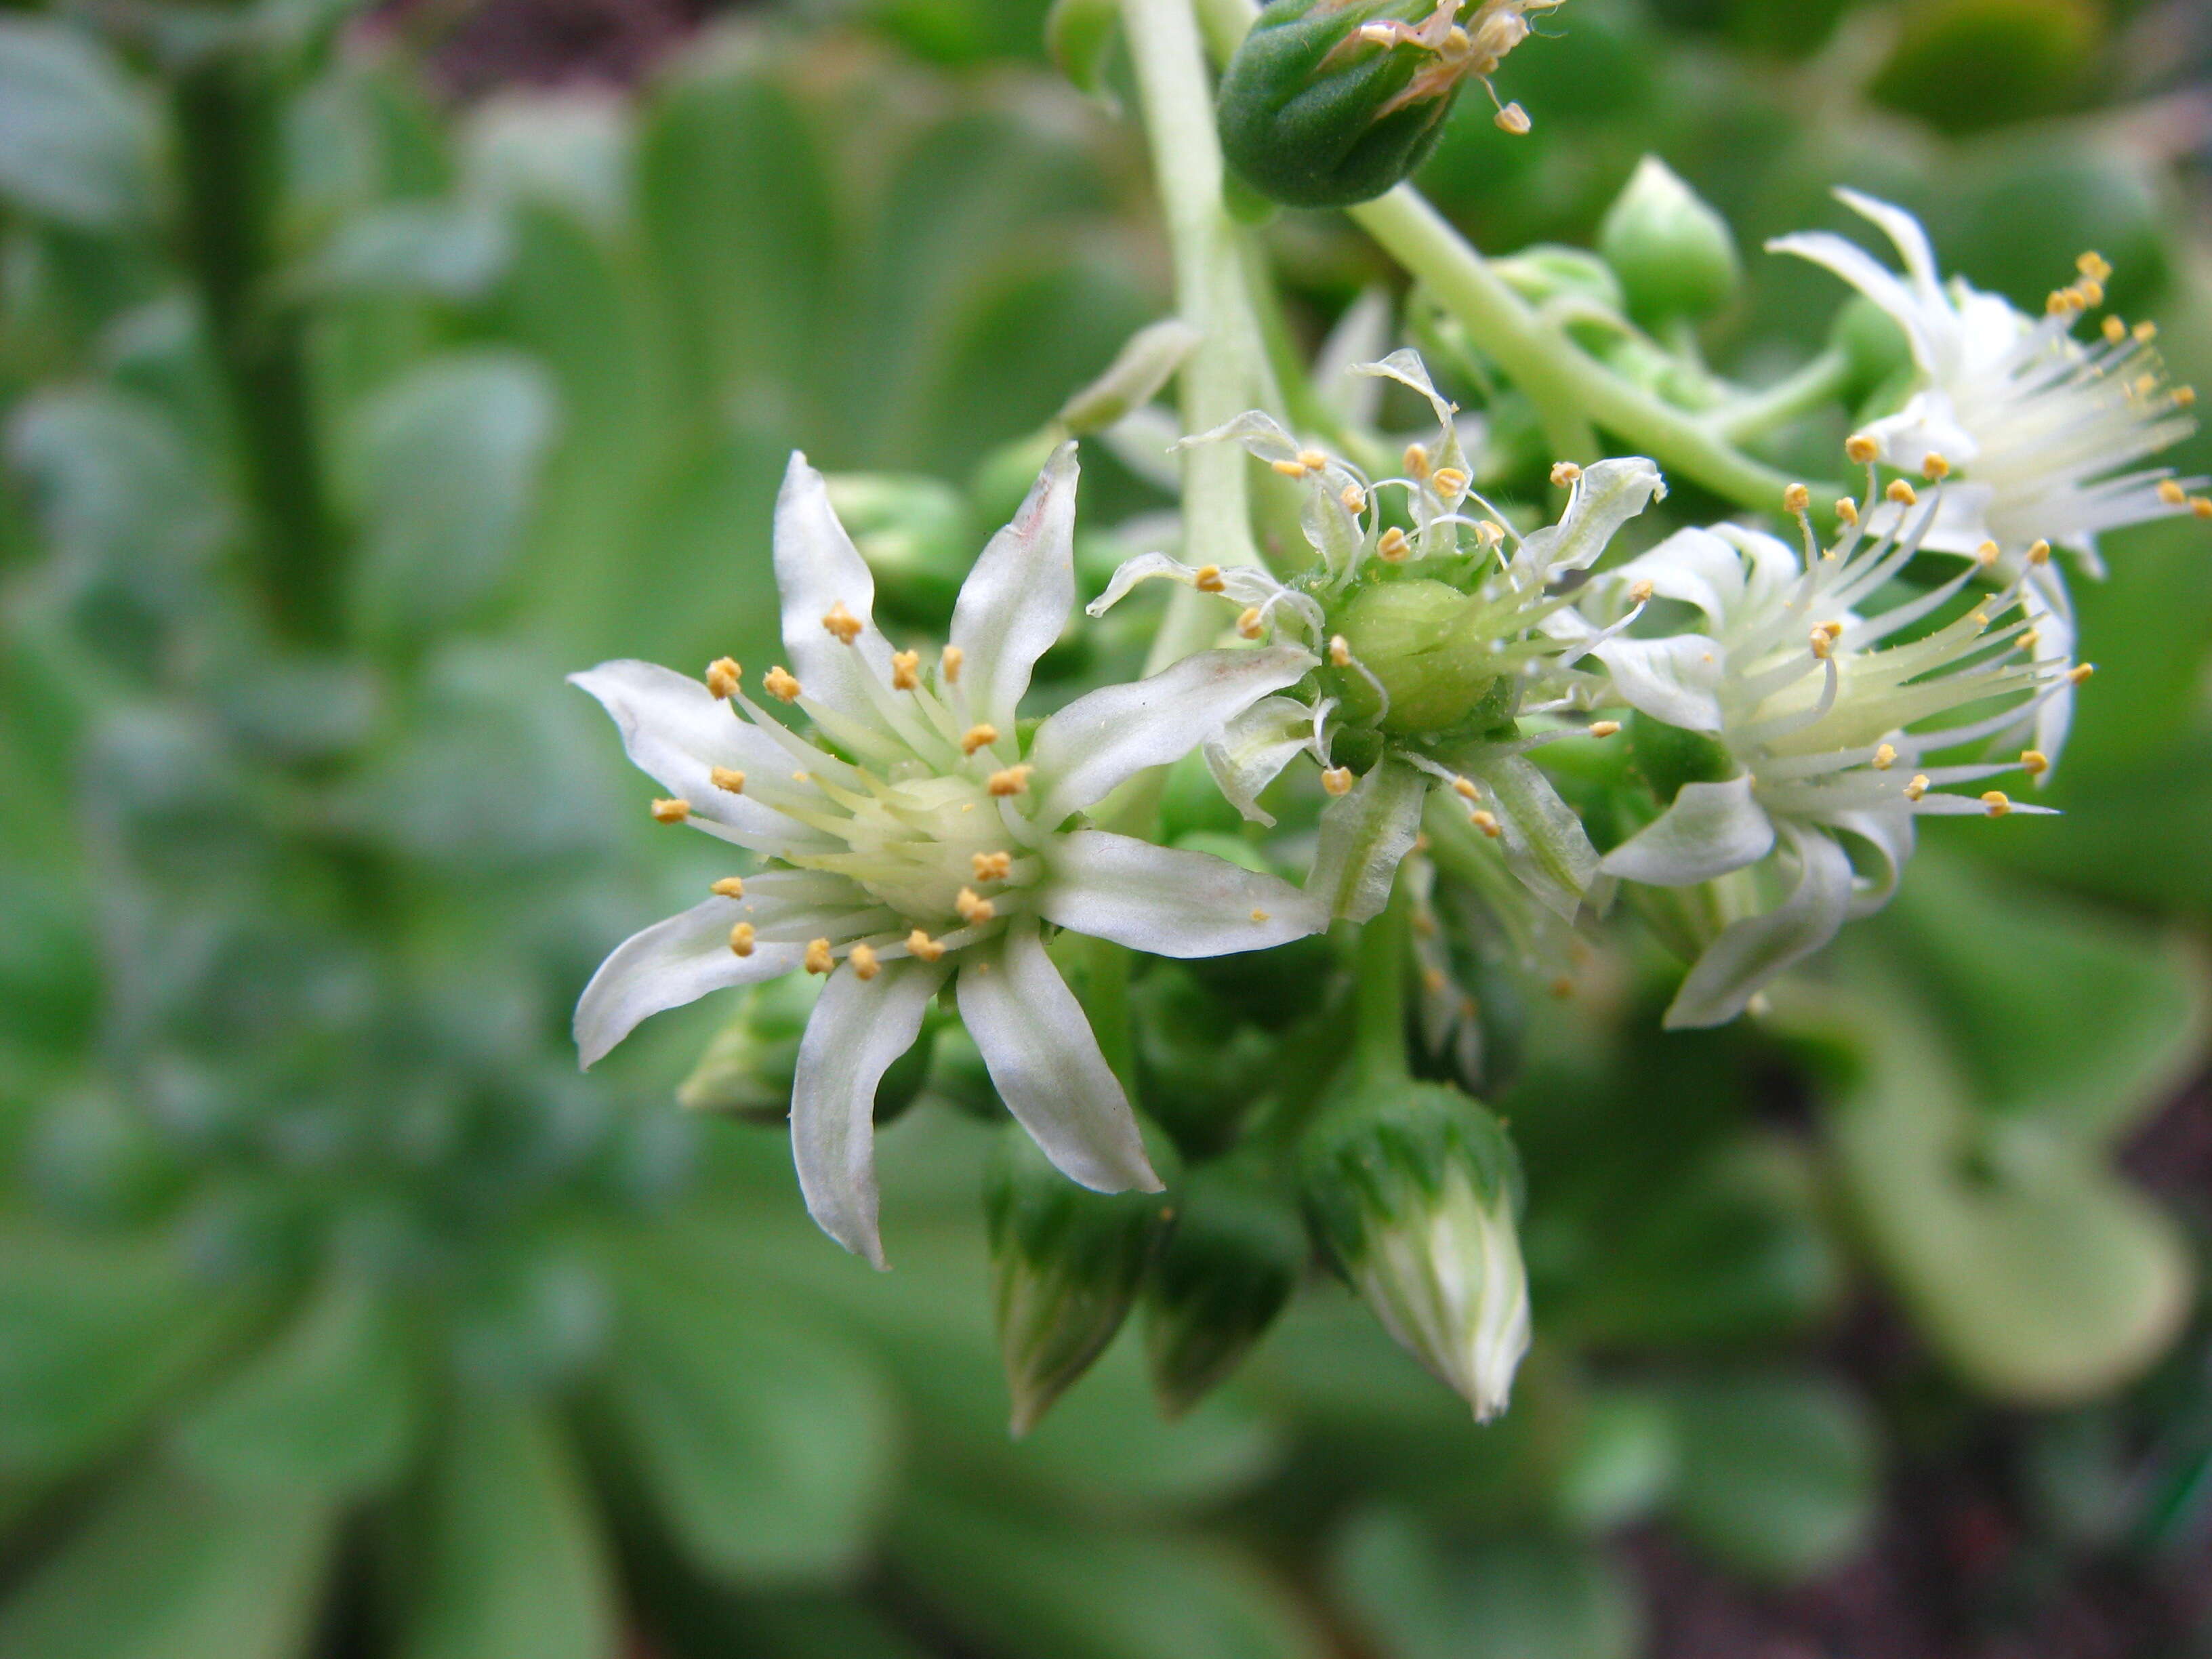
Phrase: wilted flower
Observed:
(1800, 722)
(921, 837)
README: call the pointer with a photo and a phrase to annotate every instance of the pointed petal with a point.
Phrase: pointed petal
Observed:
(1711, 830)
(1364, 835)
(1923, 331)
(1751, 952)
(1407, 369)
(1546, 846)
(667, 965)
(1607, 496)
(1911, 242)
(1091, 746)
(1018, 597)
(1170, 902)
(858, 1029)
(818, 568)
(1252, 751)
(1045, 1063)
(1693, 566)
(1888, 835)
(1675, 680)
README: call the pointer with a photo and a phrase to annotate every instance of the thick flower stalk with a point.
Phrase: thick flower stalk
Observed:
(1797, 725)
(2046, 434)
(917, 837)
(1437, 633)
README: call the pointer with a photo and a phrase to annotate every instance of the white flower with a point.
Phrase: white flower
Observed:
(2046, 432)
(918, 838)
(1821, 724)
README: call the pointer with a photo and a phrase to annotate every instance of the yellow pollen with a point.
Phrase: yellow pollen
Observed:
(2038, 553)
(842, 623)
(2029, 639)
(723, 777)
(974, 907)
(1822, 642)
(2115, 330)
(1917, 788)
(1639, 591)
(948, 664)
(1796, 499)
(1247, 624)
(2080, 672)
(781, 683)
(906, 670)
(673, 810)
(991, 867)
(1902, 493)
(2201, 506)
(1861, 448)
(1834, 630)
(1513, 119)
(2172, 492)
(925, 949)
(802, 777)
(1847, 509)
(1604, 728)
(1011, 781)
(1259, 916)
(1465, 790)
(1312, 459)
(1417, 461)
(2034, 763)
(2145, 384)
(722, 675)
(1486, 821)
(819, 959)
(1353, 497)
(1340, 651)
(2091, 292)
(1490, 532)
(741, 939)
(1337, 780)
(1290, 469)
(2183, 396)
(978, 736)
(1998, 802)
(1986, 554)
(1564, 473)
(1207, 579)
(865, 965)
(2094, 265)
(1885, 757)
(729, 887)
(1394, 546)
(2145, 332)
(1450, 482)
(1934, 467)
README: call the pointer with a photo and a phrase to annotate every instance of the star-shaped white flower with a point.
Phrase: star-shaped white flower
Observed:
(1823, 726)
(918, 838)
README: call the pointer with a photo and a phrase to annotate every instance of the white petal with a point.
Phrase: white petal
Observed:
(1089, 748)
(1170, 902)
(1017, 599)
(1927, 425)
(1889, 835)
(1406, 368)
(858, 1029)
(1259, 433)
(1607, 496)
(1911, 242)
(1693, 566)
(667, 965)
(1711, 830)
(1925, 330)
(1252, 751)
(1751, 952)
(817, 567)
(1546, 846)
(1045, 1066)
(2050, 607)
(1675, 680)
(1365, 835)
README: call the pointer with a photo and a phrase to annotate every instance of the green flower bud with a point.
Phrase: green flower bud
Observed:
(1408, 635)
(1550, 271)
(746, 1069)
(1200, 1069)
(914, 533)
(1225, 1272)
(1674, 255)
(1870, 338)
(1066, 1266)
(1412, 1189)
(1327, 103)
(1669, 756)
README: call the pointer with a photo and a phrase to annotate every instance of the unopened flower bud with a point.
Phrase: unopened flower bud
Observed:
(914, 533)
(1551, 270)
(1412, 1188)
(1066, 1265)
(1132, 379)
(1673, 254)
(1401, 633)
(1226, 1270)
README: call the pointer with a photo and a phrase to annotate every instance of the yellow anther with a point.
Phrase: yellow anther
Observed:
(728, 887)
(1861, 448)
(1433, 981)
(1290, 468)
(1997, 801)
(865, 965)
(819, 959)
(2091, 292)
(1917, 788)
(1259, 916)
(1564, 473)
(1353, 497)
(2039, 552)
(1640, 591)
(1604, 728)
(2080, 672)
(1489, 532)
(1513, 119)
(1902, 493)
(1312, 459)
(973, 907)
(2183, 396)
(1249, 623)
(741, 939)
(841, 623)
(990, 867)
(1486, 821)
(1885, 757)
(2172, 492)
(2034, 763)
(948, 664)
(1796, 498)
(673, 810)
(1340, 651)
(978, 736)
(2145, 332)
(1834, 630)
(2201, 506)
(1847, 509)
(1451, 483)
(1207, 579)
(1011, 781)
(906, 670)
(781, 683)
(2029, 639)
(1822, 642)
(1417, 460)
(1934, 467)
(1986, 554)
(1465, 790)
(1394, 546)
(2145, 384)
(1337, 780)
(722, 677)
(2115, 330)
(925, 949)
(2094, 265)
(723, 777)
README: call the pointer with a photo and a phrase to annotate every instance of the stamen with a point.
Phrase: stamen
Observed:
(1451, 483)
(1986, 554)
(1011, 781)
(1486, 821)
(978, 736)
(781, 684)
(723, 675)
(2094, 265)
(2034, 763)
(1337, 780)
(2183, 396)
(1795, 499)
(729, 887)
(1340, 651)
(723, 777)
(2080, 672)
(906, 667)
(1847, 509)
(974, 907)
(1604, 728)
(2145, 332)
(1513, 119)
(1259, 916)
(925, 949)
(672, 810)
(819, 959)
(865, 965)
(1565, 473)
(1902, 493)
(1490, 532)
(1353, 497)
(1417, 461)
(2038, 553)
(2201, 506)
(1394, 546)
(2029, 639)
(1290, 469)
(1885, 757)
(741, 939)
(1465, 790)
(991, 867)
(948, 664)
(2172, 492)
(1822, 642)
(1640, 592)
(1249, 623)
(1917, 788)
(1998, 802)
(1207, 579)
(2091, 292)
(1861, 448)
(842, 623)
(1312, 459)
(2115, 330)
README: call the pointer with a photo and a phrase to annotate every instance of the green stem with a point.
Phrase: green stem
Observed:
(226, 111)
(1379, 1010)
(1818, 382)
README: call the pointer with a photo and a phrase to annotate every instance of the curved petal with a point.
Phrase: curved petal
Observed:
(667, 965)
(817, 569)
(858, 1029)
(1170, 902)
(1711, 830)
(1749, 953)
(1923, 331)
(1018, 597)
(1674, 680)
(1905, 234)
(1045, 1063)
(1364, 835)
(1091, 746)
(1693, 566)
(1251, 751)
(1889, 836)
(1607, 496)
